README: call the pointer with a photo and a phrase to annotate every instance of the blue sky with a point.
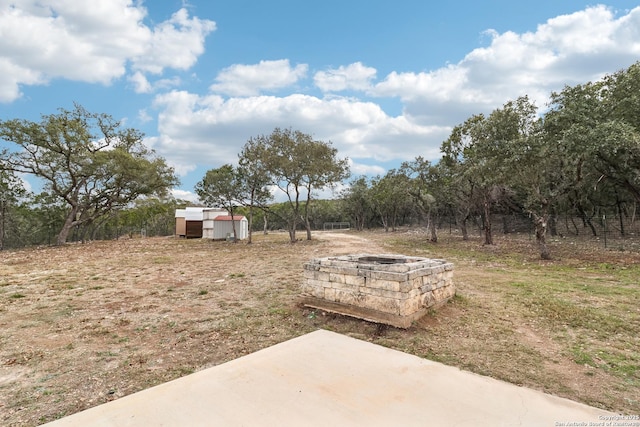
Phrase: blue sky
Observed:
(382, 81)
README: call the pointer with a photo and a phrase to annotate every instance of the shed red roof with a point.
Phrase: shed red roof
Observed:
(228, 218)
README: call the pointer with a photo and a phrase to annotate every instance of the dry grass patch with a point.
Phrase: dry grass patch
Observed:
(86, 324)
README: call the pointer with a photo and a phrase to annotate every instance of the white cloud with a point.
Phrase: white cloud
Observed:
(189, 196)
(175, 43)
(12, 76)
(210, 131)
(354, 76)
(359, 169)
(566, 50)
(90, 42)
(144, 116)
(140, 82)
(250, 80)
(99, 40)
(207, 131)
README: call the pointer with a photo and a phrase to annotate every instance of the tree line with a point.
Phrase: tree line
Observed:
(580, 155)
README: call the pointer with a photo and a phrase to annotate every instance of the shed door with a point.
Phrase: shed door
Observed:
(194, 229)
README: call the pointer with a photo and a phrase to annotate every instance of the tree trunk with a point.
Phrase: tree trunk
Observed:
(463, 229)
(620, 214)
(295, 214)
(250, 224)
(61, 239)
(293, 224)
(553, 222)
(69, 222)
(265, 224)
(586, 220)
(2, 224)
(233, 224)
(434, 232)
(307, 223)
(486, 222)
(576, 230)
(541, 233)
(461, 221)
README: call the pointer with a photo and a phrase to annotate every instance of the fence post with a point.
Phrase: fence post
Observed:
(604, 224)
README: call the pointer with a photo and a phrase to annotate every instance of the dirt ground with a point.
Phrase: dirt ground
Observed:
(88, 323)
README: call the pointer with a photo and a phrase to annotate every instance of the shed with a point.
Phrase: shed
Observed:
(223, 227)
(208, 224)
(189, 222)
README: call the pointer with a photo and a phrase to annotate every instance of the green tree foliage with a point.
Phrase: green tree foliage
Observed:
(322, 168)
(254, 175)
(12, 194)
(471, 152)
(299, 165)
(390, 198)
(530, 164)
(357, 203)
(421, 186)
(86, 161)
(600, 124)
(151, 216)
(584, 152)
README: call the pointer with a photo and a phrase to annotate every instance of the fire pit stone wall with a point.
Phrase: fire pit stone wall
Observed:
(390, 289)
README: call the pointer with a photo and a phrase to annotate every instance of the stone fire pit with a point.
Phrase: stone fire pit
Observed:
(391, 289)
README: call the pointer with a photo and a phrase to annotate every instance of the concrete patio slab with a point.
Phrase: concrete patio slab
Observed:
(324, 378)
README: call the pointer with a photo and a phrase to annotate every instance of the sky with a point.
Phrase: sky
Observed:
(382, 81)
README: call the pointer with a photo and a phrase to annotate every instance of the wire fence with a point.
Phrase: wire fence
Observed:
(611, 232)
(336, 226)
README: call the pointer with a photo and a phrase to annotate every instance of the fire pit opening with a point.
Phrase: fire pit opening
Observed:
(381, 260)
(391, 289)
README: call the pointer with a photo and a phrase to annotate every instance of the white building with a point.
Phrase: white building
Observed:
(209, 223)
(223, 227)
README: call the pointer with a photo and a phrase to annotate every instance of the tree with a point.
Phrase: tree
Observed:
(420, 188)
(470, 151)
(616, 137)
(11, 192)
(356, 199)
(87, 161)
(255, 178)
(390, 198)
(222, 187)
(455, 191)
(531, 164)
(155, 216)
(595, 126)
(298, 165)
(322, 168)
(282, 158)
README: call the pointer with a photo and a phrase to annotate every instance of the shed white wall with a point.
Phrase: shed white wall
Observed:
(207, 229)
(193, 214)
(222, 229)
(212, 213)
(208, 223)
